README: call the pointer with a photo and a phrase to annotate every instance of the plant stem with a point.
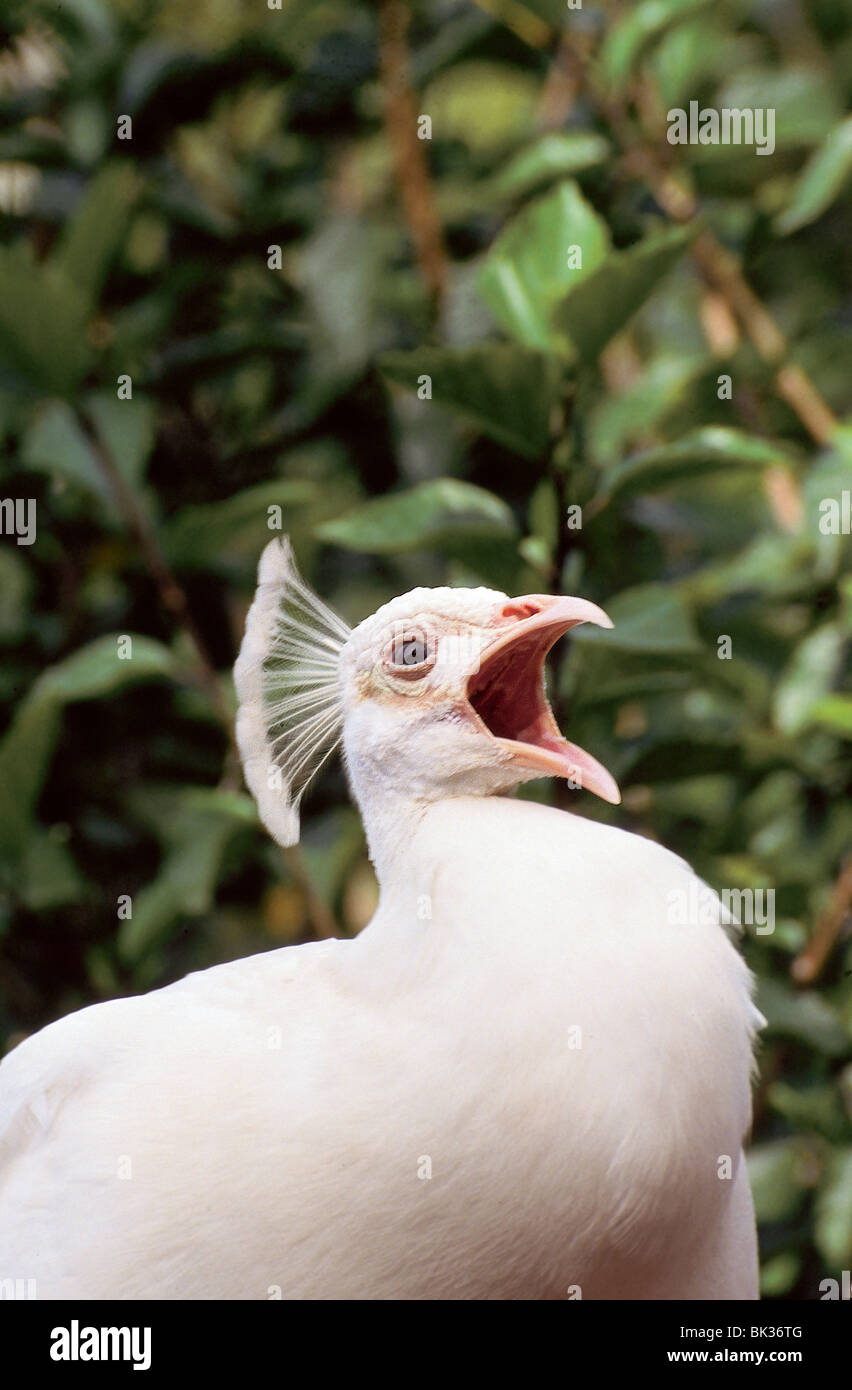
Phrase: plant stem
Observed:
(412, 170)
(810, 961)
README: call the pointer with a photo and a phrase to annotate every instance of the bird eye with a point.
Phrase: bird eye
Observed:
(410, 654)
(411, 651)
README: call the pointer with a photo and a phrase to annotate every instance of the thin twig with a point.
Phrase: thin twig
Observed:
(810, 961)
(172, 596)
(412, 171)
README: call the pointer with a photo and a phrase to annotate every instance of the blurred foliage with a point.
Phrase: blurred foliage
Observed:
(277, 264)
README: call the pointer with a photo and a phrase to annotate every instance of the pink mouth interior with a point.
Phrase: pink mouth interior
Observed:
(508, 693)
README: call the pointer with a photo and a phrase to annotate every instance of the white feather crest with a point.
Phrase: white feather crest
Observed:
(290, 714)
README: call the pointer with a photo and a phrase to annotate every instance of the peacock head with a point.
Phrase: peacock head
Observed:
(439, 693)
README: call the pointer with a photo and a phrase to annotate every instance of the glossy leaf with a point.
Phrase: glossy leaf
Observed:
(808, 678)
(553, 156)
(98, 669)
(127, 428)
(481, 104)
(647, 618)
(833, 1226)
(778, 1172)
(93, 237)
(431, 514)
(606, 300)
(806, 1017)
(184, 884)
(507, 392)
(805, 104)
(236, 528)
(711, 448)
(531, 266)
(43, 318)
(822, 179)
(57, 445)
(627, 38)
(834, 712)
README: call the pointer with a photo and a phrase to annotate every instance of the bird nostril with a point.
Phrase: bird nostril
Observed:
(523, 608)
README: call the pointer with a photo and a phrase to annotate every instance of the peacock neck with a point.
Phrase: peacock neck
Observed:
(390, 823)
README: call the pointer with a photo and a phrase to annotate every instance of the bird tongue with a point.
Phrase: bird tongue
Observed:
(508, 695)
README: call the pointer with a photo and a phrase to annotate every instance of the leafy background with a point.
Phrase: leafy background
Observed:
(292, 384)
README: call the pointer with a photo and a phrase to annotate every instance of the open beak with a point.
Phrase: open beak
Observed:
(507, 692)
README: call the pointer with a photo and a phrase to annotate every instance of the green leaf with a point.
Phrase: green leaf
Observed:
(551, 157)
(185, 884)
(435, 513)
(92, 238)
(808, 678)
(803, 1015)
(601, 305)
(834, 712)
(25, 752)
(196, 826)
(128, 430)
(235, 529)
(506, 391)
(43, 318)
(823, 487)
(779, 1273)
(56, 445)
(338, 268)
(709, 449)
(805, 103)
(97, 670)
(49, 876)
(833, 1223)
(627, 38)
(696, 51)
(483, 105)
(16, 586)
(821, 180)
(647, 618)
(779, 1176)
(815, 1107)
(529, 269)
(27, 746)
(643, 405)
(772, 564)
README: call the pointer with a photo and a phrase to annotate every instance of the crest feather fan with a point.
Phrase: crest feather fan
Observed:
(290, 713)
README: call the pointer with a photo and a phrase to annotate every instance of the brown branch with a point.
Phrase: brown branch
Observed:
(721, 268)
(810, 961)
(412, 170)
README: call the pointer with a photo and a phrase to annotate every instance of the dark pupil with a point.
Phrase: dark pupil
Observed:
(410, 653)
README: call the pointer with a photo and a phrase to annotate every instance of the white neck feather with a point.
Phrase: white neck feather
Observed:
(390, 817)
